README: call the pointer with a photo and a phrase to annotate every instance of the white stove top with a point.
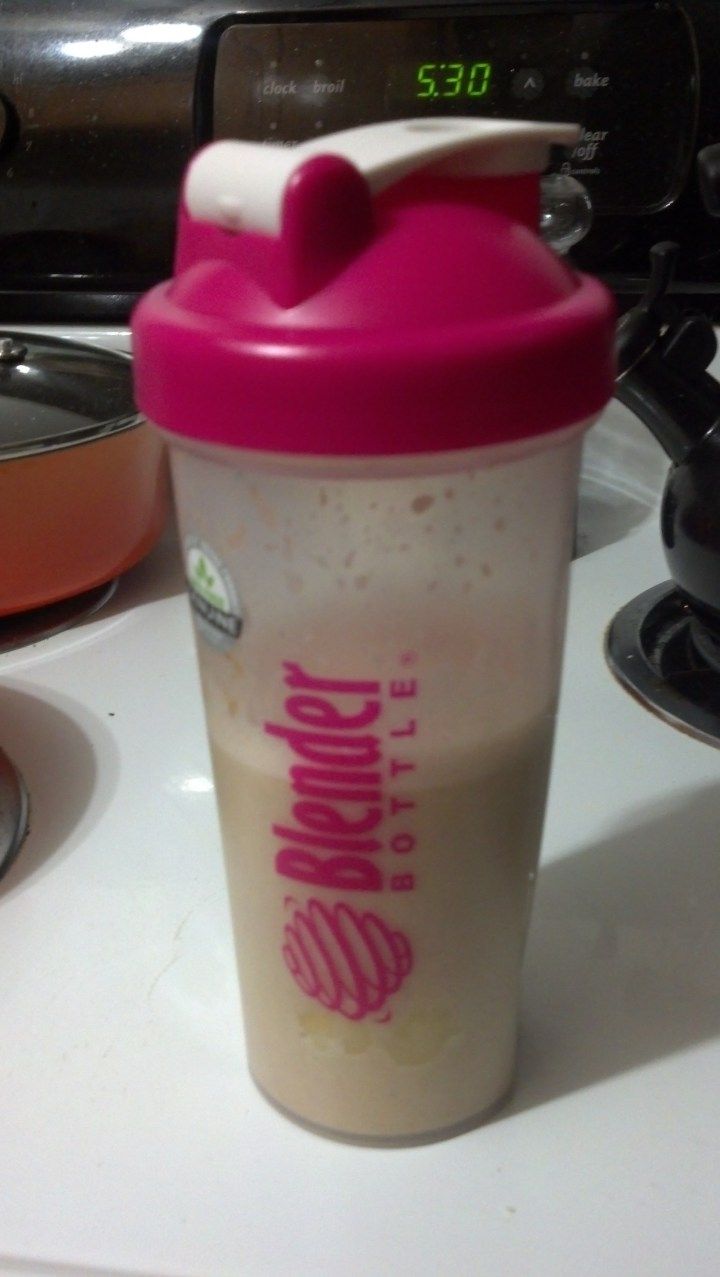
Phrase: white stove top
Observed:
(131, 1137)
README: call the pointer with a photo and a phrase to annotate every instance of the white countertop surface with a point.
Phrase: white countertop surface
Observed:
(131, 1137)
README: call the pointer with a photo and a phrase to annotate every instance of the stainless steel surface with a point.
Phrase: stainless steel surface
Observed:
(100, 100)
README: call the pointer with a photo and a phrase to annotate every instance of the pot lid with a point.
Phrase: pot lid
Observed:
(56, 393)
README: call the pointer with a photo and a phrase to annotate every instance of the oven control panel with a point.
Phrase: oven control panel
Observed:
(627, 74)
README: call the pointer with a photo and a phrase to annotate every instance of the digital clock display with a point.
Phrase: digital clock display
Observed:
(453, 80)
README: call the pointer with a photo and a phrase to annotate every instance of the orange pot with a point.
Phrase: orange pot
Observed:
(83, 495)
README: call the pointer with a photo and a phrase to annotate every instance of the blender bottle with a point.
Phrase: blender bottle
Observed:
(375, 379)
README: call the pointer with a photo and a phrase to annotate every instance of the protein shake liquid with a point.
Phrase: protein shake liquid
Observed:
(375, 455)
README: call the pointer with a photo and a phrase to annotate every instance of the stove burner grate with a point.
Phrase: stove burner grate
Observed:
(23, 628)
(661, 654)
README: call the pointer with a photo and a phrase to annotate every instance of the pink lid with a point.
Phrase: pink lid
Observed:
(427, 317)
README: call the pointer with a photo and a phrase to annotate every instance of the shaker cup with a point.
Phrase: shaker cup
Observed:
(375, 380)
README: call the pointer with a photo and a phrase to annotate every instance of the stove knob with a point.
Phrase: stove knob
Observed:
(566, 211)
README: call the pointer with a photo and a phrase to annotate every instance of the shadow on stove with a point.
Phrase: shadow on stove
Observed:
(623, 964)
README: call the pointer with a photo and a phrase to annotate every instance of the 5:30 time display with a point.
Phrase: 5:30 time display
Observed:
(453, 79)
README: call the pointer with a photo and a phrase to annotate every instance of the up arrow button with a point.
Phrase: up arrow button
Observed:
(528, 83)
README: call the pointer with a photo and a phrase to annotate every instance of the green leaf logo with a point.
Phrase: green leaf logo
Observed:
(203, 575)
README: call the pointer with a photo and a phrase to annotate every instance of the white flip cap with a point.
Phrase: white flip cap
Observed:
(240, 185)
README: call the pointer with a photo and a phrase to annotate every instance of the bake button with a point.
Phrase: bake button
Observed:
(583, 82)
(528, 83)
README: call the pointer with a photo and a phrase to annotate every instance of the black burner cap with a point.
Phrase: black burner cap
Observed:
(661, 653)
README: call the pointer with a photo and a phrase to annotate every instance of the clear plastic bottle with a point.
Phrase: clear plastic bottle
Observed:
(376, 508)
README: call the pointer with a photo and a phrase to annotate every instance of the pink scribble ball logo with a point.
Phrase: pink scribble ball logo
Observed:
(350, 962)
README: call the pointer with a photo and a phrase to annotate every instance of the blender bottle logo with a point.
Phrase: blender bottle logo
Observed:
(348, 959)
(350, 962)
